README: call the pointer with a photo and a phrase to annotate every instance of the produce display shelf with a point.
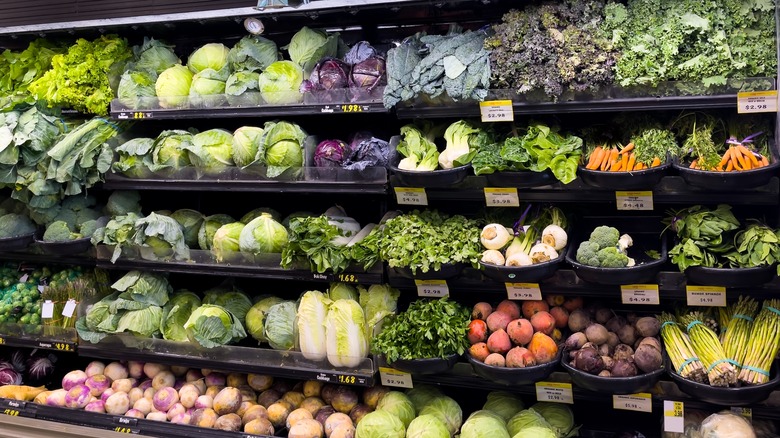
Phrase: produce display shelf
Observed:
(670, 190)
(37, 336)
(370, 187)
(86, 259)
(672, 286)
(202, 263)
(106, 423)
(243, 359)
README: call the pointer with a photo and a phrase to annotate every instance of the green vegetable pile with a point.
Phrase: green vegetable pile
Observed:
(455, 65)
(554, 47)
(426, 329)
(540, 148)
(716, 238)
(419, 151)
(605, 248)
(76, 217)
(19, 69)
(425, 240)
(80, 77)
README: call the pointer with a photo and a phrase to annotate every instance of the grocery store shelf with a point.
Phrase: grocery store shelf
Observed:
(243, 359)
(30, 255)
(37, 336)
(670, 190)
(203, 263)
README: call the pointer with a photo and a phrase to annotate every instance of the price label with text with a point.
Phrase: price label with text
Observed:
(640, 402)
(69, 308)
(501, 197)
(634, 200)
(674, 421)
(711, 296)
(640, 294)
(745, 412)
(432, 288)
(47, 309)
(393, 377)
(555, 392)
(497, 111)
(410, 196)
(757, 102)
(523, 291)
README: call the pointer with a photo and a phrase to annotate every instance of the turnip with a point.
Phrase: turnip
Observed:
(204, 401)
(176, 409)
(94, 368)
(227, 401)
(296, 416)
(96, 406)
(259, 426)
(244, 406)
(149, 393)
(123, 385)
(179, 371)
(236, 380)
(135, 394)
(56, 398)
(134, 413)
(165, 398)
(215, 379)
(152, 369)
(163, 379)
(230, 422)
(118, 403)
(247, 393)
(193, 375)
(200, 384)
(116, 371)
(204, 418)
(182, 418)
(143, 405)
(135, 369)
(206, 371)
(145, 384)
(213, 390)
(178, 383)
(305, 429)
(107, 393)
(97, 384)
(259, 382)
(188, 394)
(73, 378)
(157, 416)
(77, 397)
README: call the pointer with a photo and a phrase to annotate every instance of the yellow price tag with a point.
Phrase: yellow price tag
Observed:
(711, 296)
(432, 288)
(556, 392)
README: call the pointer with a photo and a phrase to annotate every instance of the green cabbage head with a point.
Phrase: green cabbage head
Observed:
(225, 243)
(263, 235)
(280, 325)
(211, 325)
(525, 419)
(398, 404)
(209, 227)
(246, 143)
(255, 318)
(503, 403)
(559, 416)
(447, 410)
(282, 146)
(536, 432)
(428, 426)
(280, 83)
(173, 86)
(213, 56)
(211, 150)
(484, 424)
(380, 424)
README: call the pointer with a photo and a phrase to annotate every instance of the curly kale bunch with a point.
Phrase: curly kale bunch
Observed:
(554, 47)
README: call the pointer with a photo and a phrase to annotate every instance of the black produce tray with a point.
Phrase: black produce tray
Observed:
(515, 376)
(434, 365)
(18, 242)
(523, 274)
(742, 396)
(447, 271)
(727, 181)
(521, 179)
(68, 247)
(425, 178)
(730, 277)
(633, 180)
(612, 385)
(642, 231)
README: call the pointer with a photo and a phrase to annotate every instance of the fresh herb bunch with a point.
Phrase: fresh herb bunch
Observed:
(553, 47)
(701, 235)
(427, 329)
(425, 240)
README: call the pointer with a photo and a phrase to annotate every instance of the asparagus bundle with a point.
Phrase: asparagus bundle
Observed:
(709, 350)
(67, 285)
(736, 333)
(763, 344)
(680, 350)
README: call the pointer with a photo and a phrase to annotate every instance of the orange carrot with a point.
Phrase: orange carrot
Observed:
(693, 164)
(598, 158)
(631, 162)
(740, 159)
(629, 147)
(592, 157)
(764, 160)
(726, 156)
(730, 166)
(624, 162)
(605, 161)
(656, 162)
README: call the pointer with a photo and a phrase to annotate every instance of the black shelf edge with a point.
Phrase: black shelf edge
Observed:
(650, 103)
(251, 111)
(282, 364)
(297, 187)
(671, 190)
(671, 286)
(30, 257)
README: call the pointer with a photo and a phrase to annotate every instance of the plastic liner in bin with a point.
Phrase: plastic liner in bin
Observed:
(75, 246)
(522, 274)
(515, 376)
(731, 277)
(728, 181)
(612, 385)
(17, 242)
(740, 396)
(425, 178)
(521, 179)
(433, 365)
(633, 180)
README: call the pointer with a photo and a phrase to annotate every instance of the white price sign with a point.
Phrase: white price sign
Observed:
(497, 111)
(501, 197)
(523, 291)
(640, 402)
(69, 308)
(393, 377)
(410, 196)
(555, 392)
(640, 294)
(710, 296)
(432, 288)
(674, 421)
(757, 102)
(47, 309)
(745, 412)
(634, 200)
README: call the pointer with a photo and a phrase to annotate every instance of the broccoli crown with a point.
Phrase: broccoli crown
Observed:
(586, 253)
(611, 257)
(605, 236)
(15, 225)
(87, 229)
(59, 231)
